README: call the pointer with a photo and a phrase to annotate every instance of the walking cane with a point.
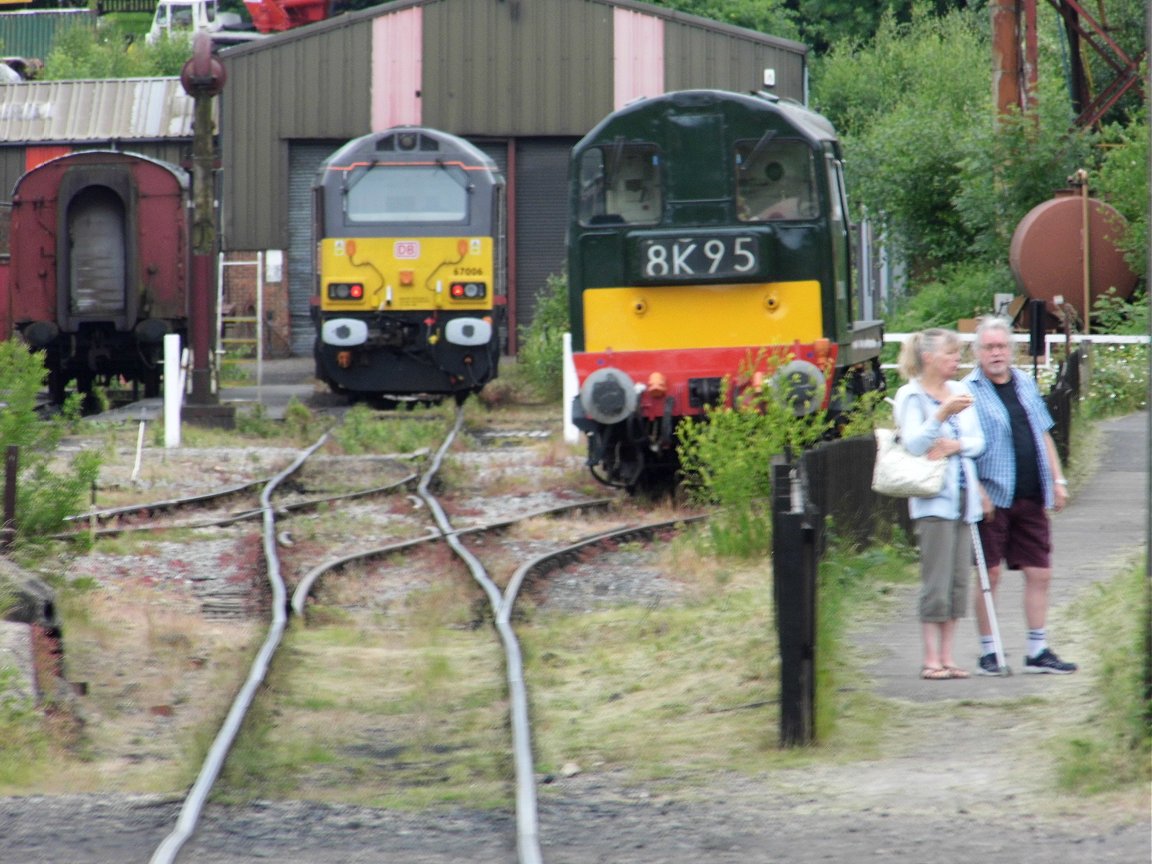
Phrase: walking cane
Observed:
(986, 588)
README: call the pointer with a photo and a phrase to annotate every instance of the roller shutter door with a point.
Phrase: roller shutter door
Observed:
(303, 160)
(541, 218)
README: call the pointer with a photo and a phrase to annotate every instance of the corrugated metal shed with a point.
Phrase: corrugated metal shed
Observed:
(82, 111)
(32, 33)
(532, 76)
(488, 70)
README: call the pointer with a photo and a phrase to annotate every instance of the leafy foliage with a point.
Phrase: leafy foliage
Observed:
(110, 52)
(542, 342)
(963, 290)
(1122, 180)
(1010, 166)
(43, 497)
(1113, 314)
(1119, 381)
(727, 459)
(905, 104)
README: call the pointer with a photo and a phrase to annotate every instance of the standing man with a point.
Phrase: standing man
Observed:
(1021, 477)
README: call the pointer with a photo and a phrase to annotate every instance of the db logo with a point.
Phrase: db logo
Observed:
(406, 249)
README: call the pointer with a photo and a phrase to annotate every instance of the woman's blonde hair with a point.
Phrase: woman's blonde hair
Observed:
(931, 341)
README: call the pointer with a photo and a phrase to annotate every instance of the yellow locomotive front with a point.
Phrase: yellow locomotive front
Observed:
(410, 276)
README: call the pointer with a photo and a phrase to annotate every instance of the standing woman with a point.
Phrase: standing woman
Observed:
(935, 416)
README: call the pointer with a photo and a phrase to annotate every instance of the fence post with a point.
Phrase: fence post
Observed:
(8, 530)
(795, 557)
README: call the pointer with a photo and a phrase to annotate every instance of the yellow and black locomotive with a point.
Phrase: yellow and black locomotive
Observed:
(409, 227)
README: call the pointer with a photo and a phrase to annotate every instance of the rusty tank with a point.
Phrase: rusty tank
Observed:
(1048, 249)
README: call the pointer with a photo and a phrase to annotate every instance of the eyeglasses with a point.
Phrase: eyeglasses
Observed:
(995, 346)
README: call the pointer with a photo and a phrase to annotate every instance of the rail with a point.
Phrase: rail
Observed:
(194, 803)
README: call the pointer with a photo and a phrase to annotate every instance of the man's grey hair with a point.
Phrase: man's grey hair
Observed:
(992, 322)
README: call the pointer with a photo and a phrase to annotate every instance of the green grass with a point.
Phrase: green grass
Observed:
(677, 690)
(852, 583)
(420, 702)
(1113, 748)
(23, 737)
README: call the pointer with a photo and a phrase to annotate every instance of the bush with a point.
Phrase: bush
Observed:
(958, 291)
(44, 498)
(1119, 382)
(542, 342)
(727, 459)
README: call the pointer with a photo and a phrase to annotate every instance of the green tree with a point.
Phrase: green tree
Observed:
(825, 23)
(109, 52)
(542, 341)
(1123, 180)
(905, 105)
(44, 496)
(1010, 165)
(771, 17)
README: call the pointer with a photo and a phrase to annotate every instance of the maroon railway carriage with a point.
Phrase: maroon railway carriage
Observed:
(100, 264)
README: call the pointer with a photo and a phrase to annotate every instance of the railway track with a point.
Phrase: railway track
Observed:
(501, 593)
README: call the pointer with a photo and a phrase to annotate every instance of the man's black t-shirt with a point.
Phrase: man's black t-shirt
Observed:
(1024, 445)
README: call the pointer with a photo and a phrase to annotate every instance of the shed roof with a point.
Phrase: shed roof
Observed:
(95, 110)
(347, 18)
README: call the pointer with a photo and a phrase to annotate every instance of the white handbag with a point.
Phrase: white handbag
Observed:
(899, 474)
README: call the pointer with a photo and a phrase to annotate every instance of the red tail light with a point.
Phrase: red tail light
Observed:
(468, 290)
(346, 291)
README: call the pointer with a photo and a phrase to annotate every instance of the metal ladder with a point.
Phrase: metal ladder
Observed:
(256, 322)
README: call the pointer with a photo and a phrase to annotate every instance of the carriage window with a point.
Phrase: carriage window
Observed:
(775, 180)
(620, 184)
(407, 193)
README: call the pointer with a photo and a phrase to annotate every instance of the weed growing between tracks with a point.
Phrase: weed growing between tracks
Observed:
(401, 707)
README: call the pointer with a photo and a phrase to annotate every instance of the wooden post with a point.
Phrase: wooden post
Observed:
(8, 531)
(795, 557)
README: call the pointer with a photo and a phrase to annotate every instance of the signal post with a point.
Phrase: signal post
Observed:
(203, 78)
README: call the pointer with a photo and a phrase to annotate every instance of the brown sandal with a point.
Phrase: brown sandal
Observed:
(934, 673)
(956, 672)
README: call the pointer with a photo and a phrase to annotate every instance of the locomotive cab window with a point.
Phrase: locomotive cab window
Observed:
(775, 180)
(621, 184)
(407, 194)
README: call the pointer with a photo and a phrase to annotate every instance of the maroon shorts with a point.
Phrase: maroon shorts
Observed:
(1018, 534)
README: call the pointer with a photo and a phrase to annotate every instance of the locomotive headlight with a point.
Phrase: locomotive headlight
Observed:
(468, 290)
(344, 332)
(802, 386)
